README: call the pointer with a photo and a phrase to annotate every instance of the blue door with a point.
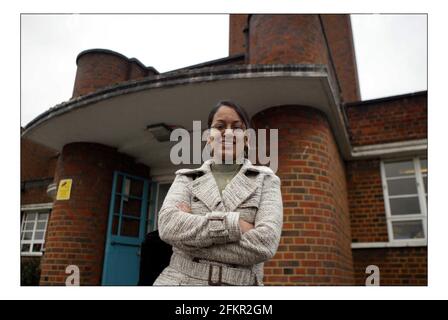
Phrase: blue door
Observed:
(126, 229)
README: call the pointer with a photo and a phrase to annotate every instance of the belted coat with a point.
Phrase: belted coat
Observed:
(211, 231)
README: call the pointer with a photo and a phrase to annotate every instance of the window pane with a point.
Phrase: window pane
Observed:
(424, 165)
(132, 207)
(27, 235)
(30, 217)
(408, 230)
(402, 186)
(37, 247)
(425, 182)
(118, 185)
(26, 247)
(130, 227)
(396, 169)
(136, 188)
(43, 217)
(41, 226)
(117, 204)
(115, 225)
(29, 226)
(39, 235)
(163, 191)
(400, 206)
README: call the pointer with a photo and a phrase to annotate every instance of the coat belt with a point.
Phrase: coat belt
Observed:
(215, 274)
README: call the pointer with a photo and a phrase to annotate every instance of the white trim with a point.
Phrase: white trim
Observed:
(36, 206)
(422, 202)
(395, 244)
(31, 254)
(390, 149)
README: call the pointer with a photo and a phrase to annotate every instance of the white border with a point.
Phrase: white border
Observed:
(438, 282)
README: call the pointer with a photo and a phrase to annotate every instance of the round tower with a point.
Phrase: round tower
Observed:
(100, 68)
(286, 38)
(315, 248)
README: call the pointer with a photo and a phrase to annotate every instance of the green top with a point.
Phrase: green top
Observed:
(223, 174)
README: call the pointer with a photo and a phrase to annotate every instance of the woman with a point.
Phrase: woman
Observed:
(223, 220)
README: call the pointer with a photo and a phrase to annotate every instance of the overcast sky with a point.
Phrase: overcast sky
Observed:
(391, 50)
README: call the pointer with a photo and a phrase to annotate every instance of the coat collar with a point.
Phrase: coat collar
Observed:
(236, 192)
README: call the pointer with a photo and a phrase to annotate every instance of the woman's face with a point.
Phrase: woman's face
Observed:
(227, 138)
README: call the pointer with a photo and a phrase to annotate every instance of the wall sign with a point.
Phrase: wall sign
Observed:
(64, 189)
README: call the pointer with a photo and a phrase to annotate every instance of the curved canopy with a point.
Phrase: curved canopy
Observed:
(118, 116)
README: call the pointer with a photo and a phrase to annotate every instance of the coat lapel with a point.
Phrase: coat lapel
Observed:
(205, 187)
(236, 191)
(239, 188)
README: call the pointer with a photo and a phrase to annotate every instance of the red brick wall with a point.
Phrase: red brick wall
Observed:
(339, 35)
(76, 232)
(366, 202)
(237, 41)
(396, 119)
(286, 38)
(136, 71)
(35, 195)
(315, 247)
(36, 162)
(398, 266)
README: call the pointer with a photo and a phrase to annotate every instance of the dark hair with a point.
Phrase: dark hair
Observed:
(238, 109)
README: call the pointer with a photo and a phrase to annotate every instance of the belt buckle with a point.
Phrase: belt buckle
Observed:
(210, 274)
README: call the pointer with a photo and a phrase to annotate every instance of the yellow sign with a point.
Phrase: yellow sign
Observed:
(65, 186)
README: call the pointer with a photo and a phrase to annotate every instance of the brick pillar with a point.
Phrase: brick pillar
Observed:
(237, 37)
(338, 30)
(286, 38)
(77, 227)
(315, 247)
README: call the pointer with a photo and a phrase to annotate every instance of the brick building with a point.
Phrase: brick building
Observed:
(354, 173)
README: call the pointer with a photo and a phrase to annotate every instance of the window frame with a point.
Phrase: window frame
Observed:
(29, 209)
(422, 216)
(156, 205)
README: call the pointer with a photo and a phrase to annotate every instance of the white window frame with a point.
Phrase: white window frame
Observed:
(167, 179)
(34, 208)
(423, 216)
(156, 205)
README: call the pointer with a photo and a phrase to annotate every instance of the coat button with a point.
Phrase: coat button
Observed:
(195, 199)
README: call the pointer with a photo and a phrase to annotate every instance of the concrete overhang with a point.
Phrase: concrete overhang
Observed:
(117, 116)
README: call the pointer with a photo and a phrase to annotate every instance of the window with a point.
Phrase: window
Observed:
(162, 191)
(158, 194)
(32, 235)
(405, 185)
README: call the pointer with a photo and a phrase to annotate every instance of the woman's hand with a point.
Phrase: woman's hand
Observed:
(185, 207)
(245, 226)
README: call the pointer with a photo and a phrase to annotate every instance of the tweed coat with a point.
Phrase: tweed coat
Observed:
(211, 232)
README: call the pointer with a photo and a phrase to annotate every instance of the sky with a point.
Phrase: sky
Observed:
(391, 50)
